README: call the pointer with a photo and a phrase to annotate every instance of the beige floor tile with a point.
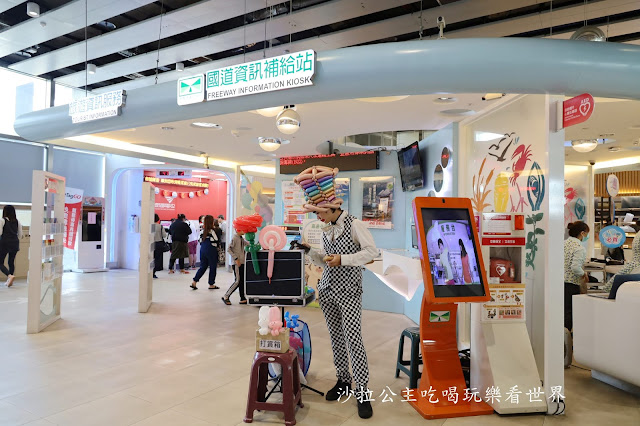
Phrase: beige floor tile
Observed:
(495, 419)
(172, 418)
(116, 409)
(188, 361)
(39, 422)
(11, 415)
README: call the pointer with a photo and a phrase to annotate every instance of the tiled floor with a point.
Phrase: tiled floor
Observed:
(186, 362)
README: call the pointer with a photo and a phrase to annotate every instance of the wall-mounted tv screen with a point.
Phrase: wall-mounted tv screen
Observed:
(410, 163)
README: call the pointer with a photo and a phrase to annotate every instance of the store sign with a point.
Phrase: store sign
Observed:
(613, 185)
(265, 75)
(72, 214)
(176, 182)
(91, 108)
(365, 160)
(173, 173)
(577, 110)
(612, 236)
(503, 241)
(191, 90)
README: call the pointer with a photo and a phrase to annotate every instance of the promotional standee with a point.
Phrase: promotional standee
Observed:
(452, 271)
(501, 353)
(46, 250)
(147, 233)
(85, 232)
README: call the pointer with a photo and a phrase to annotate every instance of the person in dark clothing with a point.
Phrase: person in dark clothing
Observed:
(179, 231)
(10, 234)
(218, 230)
(158, 249)
(208, 254)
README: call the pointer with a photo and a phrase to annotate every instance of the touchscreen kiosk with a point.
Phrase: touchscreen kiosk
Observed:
(452, 271)
(449, 250)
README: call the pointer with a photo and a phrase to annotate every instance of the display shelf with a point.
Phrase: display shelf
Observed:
(45, 259)
(147, 245)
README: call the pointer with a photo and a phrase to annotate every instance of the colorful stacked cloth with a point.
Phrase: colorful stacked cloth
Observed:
(319, 189)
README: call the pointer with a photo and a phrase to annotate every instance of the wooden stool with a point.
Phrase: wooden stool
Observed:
(414, 374)
(291, 390)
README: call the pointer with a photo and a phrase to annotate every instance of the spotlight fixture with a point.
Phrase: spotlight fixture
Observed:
(168, 128)
(445, 100)
(269, 144)
(492, 96)
(92, 68)
(584, 145)
(288, 121)
(33, 9)
(614, 148)
(179, 66)
(270, 112)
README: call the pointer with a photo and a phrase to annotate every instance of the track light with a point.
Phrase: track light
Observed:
(180, 66)
(92, 68)
(33, 9)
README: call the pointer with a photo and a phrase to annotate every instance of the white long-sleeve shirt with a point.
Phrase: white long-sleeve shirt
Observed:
(361, 236)
(2, 220)
(574, 257)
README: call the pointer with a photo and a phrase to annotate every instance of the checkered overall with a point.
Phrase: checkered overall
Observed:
(340, 297)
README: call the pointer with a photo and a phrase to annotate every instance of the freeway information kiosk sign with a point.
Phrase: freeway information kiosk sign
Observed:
(266, 75)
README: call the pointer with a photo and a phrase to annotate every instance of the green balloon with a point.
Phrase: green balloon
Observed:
(246, 200)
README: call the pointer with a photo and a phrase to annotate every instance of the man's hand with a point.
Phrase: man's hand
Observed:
(238, 263)
(333, 260)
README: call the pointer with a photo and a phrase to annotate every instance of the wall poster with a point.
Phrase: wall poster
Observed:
(377, 202)
(293, 199)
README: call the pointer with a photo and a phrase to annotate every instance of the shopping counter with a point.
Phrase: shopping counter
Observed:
(605, 336)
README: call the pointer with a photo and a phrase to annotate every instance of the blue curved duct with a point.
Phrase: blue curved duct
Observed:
(509, 65)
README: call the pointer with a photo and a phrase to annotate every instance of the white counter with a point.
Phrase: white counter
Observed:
(400, 270)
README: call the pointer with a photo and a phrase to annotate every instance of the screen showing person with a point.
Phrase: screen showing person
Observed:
(451, 252)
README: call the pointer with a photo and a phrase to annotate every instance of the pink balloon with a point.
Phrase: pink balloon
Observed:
(272, 238)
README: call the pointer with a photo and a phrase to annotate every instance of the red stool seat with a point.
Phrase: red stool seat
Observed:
(291, 389)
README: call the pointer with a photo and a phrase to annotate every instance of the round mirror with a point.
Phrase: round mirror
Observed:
(438, 177)
(445, 157)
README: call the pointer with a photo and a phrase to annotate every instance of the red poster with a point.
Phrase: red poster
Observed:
(577, 110)
(72, 215)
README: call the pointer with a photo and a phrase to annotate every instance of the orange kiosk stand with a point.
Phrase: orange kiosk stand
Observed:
(452, 271)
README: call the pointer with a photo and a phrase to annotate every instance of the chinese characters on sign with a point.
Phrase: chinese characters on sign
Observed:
(506, 303)
(176, 182)
(293, 199)
(612, 236)
(265, 75)
(365, 160)
(577, 110)
(270, 344)
(452, 394)
(91, 108)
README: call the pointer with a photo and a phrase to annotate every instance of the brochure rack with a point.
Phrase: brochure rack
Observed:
(147, 245)
(46, 250)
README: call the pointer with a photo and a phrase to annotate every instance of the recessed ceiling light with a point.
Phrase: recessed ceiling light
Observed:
(379, 99)
(168, 128)
(205, 125)
(445, 100)
(459, 112)
(607, 135)
(492, 96)
(635, 127)
(614, 148)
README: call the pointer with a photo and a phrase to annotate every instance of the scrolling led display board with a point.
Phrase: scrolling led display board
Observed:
(366, 160)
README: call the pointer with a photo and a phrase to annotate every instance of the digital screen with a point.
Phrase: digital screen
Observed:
(365, 160)
(410, 167)
(451, 249)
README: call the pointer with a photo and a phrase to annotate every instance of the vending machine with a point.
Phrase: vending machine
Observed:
(501, 353)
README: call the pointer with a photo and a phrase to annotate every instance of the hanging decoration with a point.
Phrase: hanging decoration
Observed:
(174, 194)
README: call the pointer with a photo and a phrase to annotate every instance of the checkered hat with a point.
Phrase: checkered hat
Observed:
(319, 191)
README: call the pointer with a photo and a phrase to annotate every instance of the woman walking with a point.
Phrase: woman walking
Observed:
(158, 249)
(236, 250)
(208, 254)
(10, 234)
(180, 232)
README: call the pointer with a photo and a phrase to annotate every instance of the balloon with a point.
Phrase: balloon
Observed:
(206, 192)
(191, 195)
(272, 238)
(266, 213)
(183, 195)
(246, 200)
(174, 194)
(157, 190)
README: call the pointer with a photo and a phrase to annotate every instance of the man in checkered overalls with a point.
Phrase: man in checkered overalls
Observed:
(347, 245)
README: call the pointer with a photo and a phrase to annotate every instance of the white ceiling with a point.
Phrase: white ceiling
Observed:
(321, 122)
(189, 31)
